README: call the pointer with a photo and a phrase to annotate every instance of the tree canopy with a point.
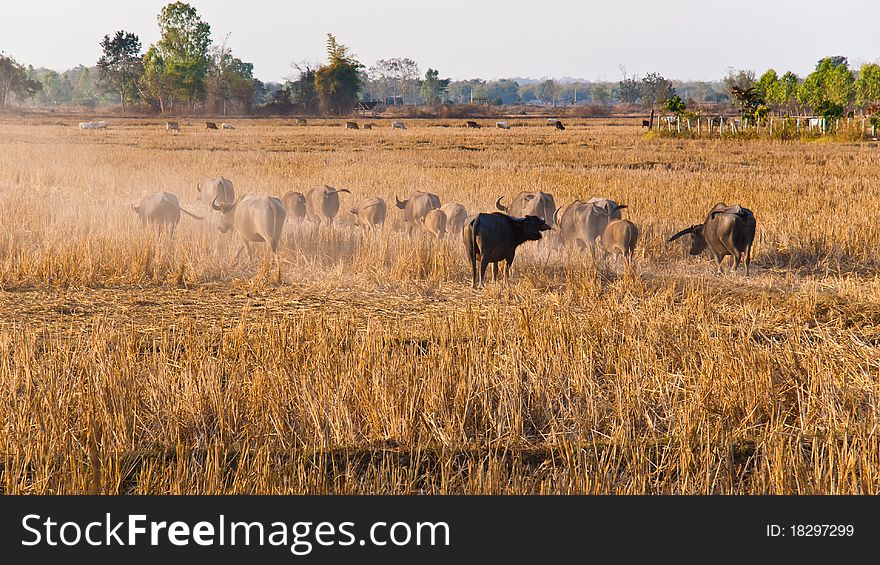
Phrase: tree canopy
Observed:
(338, 82)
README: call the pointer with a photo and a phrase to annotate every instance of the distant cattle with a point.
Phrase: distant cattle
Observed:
(646, 123)
(172, 126)
(559, 125)
(294, 205)
(322, 203)
(416, 207)
(397, 124)
(472, 124)
(93, 125)
(216, 188)
(351, 125)
(502, 125)
(301, 121)
(227, 126)
(552, 121)
(368, 126)
(162, 210)
(370, 213)
(210, 125)
(492, 238)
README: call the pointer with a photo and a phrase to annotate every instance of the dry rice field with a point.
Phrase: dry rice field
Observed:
(136, 364)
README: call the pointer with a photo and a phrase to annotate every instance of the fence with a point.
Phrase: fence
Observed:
(802, 125)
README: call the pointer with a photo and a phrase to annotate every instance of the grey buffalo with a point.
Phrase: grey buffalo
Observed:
(161, 209)
(524, 204)
(455, 216)
(216, 188)
(727, 230)
(322, 203)
(492, 238)
(254, 218)
(416, 207)
(582, 222)
(370, 213)
(294, 205)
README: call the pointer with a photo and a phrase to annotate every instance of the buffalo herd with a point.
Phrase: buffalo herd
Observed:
(489, 238)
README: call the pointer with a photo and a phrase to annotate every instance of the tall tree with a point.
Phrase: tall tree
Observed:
(302, 90)
(830, 88)
(157, 85)
(787, 91)
(338, 82)
(769, 87)
(601, 93)
(868, 85)
(14, 82)
(184, 48)
(656, 89)
(548, 91)
(434, 87)
(230, 80)
(120, 67)
(629, 90)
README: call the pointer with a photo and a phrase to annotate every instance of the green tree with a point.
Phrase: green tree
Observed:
(548, 91)
(120, 67)
(505, 90)
(830, 88)
(745, 90)
(157, 84)
(769, 87)
(868, 85)
(14, 82)
(339, 81)
(675, 105)
(629, 90)
(56, 88)
(302, 90)
(655, 89)
(184, 48)
(787, 92)
(230, 80)
(601, 93)
(434, 87)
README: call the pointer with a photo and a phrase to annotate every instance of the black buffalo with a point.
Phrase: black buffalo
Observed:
(494, 238)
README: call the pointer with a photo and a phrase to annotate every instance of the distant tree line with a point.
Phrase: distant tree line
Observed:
(185, 72)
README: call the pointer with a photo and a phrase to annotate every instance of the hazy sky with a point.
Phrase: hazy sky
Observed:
(682, 39)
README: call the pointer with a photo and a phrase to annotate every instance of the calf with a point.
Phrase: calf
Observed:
(620, 237)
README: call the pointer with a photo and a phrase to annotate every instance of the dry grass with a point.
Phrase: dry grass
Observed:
(132, 364)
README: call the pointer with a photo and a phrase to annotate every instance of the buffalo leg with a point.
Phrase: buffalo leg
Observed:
(748, 260)
(474, 268)
(497, 268)
(484, 263)
(737, 258)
